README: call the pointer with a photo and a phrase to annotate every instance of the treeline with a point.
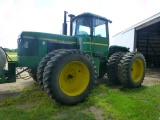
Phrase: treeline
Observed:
(10, 50)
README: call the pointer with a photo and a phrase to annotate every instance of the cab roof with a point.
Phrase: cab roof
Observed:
(92, 15)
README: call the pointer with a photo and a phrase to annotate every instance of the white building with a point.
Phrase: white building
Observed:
(143, 37)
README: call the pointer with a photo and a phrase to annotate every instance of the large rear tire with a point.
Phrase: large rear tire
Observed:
(43, 63)
(69, 77)
(112, 67)
(132, 69)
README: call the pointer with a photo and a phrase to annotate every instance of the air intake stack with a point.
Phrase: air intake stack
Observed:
(64, 32)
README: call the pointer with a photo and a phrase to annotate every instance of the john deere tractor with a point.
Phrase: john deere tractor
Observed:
(66, 66)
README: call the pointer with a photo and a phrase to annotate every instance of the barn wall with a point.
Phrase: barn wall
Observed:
(124, 39)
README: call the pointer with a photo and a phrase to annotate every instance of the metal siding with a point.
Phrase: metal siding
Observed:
(140, 23)
(128, 39)
(125, 39)
(116, 40)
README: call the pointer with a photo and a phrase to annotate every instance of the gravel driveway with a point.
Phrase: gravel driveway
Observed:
(14, 89)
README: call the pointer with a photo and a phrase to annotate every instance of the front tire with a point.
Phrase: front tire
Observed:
(69, 77)
(43, 63)
(132, 69)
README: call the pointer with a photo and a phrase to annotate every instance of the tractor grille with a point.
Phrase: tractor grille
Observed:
(28, 47)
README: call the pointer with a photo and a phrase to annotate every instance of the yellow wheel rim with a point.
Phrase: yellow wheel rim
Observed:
(137, 70)
(74, 78)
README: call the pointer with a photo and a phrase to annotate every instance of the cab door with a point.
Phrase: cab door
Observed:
(100, 38)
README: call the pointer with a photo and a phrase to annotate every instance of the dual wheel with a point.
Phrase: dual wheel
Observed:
(127, 69)
(66, 75)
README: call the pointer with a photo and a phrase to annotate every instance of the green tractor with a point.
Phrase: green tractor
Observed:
(66, 66)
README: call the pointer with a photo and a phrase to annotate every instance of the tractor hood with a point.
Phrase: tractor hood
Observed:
(33, 46)
(47, 36)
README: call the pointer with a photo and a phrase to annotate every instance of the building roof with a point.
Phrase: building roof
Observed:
(151, 20)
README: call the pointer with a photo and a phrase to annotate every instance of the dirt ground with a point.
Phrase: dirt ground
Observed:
(152, 77)
(13, 89)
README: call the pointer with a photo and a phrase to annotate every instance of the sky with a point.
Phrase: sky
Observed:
(47, 15)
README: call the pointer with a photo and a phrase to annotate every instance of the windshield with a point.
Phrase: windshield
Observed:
(82, 26)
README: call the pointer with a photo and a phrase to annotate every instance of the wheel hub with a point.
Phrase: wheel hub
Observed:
(69, 76)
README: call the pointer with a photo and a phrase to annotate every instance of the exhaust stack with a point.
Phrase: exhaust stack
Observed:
(64, 32)
(71, 17)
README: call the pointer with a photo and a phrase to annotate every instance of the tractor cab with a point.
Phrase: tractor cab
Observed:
(90, 24)
(92, 33)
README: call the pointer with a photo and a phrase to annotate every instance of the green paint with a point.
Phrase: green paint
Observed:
(47, 36)
(84, 47)
(43, 48)
(10, 75)
(102, 46)
(28, 61)
(2, 78)
(113, 49)
(97, 63)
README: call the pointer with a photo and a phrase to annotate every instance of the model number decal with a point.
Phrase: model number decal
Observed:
(29, 37)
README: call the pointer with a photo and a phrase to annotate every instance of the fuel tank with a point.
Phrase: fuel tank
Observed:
(2, 59)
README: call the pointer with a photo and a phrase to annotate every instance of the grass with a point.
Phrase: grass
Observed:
(12, 55)
(108, 103)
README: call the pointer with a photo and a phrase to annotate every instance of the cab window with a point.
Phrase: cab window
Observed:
(82, 26)
(99, 28)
